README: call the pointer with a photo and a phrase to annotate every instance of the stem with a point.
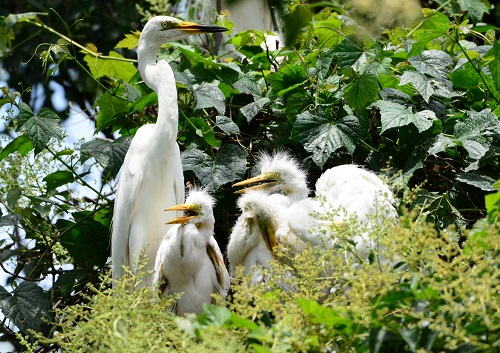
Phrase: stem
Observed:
(76, 44)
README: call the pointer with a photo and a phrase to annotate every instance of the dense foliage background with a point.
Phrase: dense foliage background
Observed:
(411, 93)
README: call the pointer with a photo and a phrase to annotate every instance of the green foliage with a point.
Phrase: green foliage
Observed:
(418, 101)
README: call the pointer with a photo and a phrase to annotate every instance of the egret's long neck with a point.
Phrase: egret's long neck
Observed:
(160, 78)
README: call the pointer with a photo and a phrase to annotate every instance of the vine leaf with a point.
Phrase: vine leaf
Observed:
(87, 240)
(475, 8)
(229, 165)
(26, 306)
(395, 115)
(322, 134)
(482, 182)
(363, 89)
(427, 86)
(58, 178)
(435, 63)
(475, 133)
(21, 144)
(108, 154)
(494, 64)
(227, 125)
(208, 95)
(41, 128)
(250, 110)
(112, 68)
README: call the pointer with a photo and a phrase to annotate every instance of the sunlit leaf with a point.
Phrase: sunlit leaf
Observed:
(130, 41)
(109, 67)
(475, 8)
(227, 125)
(21, 144)
(395, 115)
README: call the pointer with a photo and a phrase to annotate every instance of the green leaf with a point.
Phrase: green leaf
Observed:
(26, 306)
(132, 93)
(229, 165)
(109, 154)
(427, 86)
(435, 63)
(109, 67)
(395, 115)
(22, 143)
(482, 182)
(322, 135)
(494, 64)
(362, 90)
(475, 8)
(465, 78)
(250, 110)
(40, 128)
(323, 315)
(436, 25)
(130, 41)
(214, 316)
(12, 19)
(441, 143)
(227, 125)
(87, 241)
(209, 95)
(289, 76)
(59, 178)
(328, 32)
(349, 52)
(110, 107)
(476, 132)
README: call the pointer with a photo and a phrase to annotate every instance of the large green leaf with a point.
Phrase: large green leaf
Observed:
(109, 154)
(110, 108)
(475, 8)
(482, 182)
(476, 132)
(209, 95)
(250, 110)
(319, 314)
(87, 240)
(435, 26)
(227, 125)
(202, 129)
(435, 63)
(287, 77)
(229, 165)
(21, 144)
(41, 128)
(349, 52)
(58, 178)
(361, 91)
(322, 135)
(427, 86)
(395, 115)
(110, 67)
(328, 32)
(26, 307)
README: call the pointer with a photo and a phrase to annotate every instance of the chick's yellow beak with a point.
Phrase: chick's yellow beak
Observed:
(267, 180)
(190, 211)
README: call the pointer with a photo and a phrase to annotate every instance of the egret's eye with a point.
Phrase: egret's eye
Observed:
(167, 25)
(277, 175)
(199, 208)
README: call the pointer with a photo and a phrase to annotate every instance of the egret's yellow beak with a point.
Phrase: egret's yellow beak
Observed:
(195, 28)
(267, 180)
(268, 234)
(190, 211)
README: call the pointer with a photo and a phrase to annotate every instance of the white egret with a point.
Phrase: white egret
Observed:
(189, 259)
(151, 177)
(253, 237)
(342, 192)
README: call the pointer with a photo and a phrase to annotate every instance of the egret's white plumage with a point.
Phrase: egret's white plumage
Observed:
(151, 177)
(189, 259)
(253, 237)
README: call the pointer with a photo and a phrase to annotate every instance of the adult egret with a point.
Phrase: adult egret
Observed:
(189, 259)
(342, 192)
(151, 177)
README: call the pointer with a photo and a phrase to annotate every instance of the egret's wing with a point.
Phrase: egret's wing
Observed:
(217, 260)
(124, 208)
